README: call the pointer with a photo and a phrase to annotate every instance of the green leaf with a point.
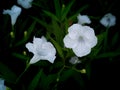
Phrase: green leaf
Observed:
(43, 23)
(108, 55)
(115, 39)
(7, 74)
(58, 47)
(20, 56)
(57, 32)
(77, 12)
(51, 15)
(47, 81)
(67, 9)
(57, 8)
(35, 81)
(66, 74)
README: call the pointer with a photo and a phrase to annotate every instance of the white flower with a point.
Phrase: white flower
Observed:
(74, 60)
(14, 13)
(42, 50)
(80, 39)
(25, 3)
(2, 86)
(83, 19)
(108, 20)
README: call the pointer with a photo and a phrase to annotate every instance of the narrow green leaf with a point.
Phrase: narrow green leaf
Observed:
(66, 74)
(73, 17)
(57, 32)
(115, 39)
(57, 8)
(108, 55)
(40, 21)
(51, 15)
(47, 81)
(58, 47)
(35, 81)
(67, 9)
(20, 56)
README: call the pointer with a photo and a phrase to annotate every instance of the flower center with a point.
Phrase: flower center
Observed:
(42, 52)
(81, 39)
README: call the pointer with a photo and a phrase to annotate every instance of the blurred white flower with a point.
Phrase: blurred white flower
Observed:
(74, 60)
(108, 20)
(42, 50)
(25, 3)
(14, 13)
(2, 86)
(83, 19)
(80, 39)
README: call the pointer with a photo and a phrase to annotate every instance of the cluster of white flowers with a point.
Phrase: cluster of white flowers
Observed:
(80, 38)
(15, 10)
(2, 86)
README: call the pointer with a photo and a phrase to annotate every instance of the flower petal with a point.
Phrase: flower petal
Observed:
(68, 42)
(25, 3)
(89, 36)
(82, 50)
(35, 59)
(74, 31)
(83, 19)
(30, 47)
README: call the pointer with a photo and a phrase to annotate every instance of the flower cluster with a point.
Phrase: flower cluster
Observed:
(66, 47)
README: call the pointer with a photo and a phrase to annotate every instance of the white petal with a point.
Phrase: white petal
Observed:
(35, 59)
(83, 19)
(68, 42)
(51, 58)
(37, 42)
(74, 31)
(25, 3)
(89, 36)
(81, 50)
(30, 47)
(50, 51)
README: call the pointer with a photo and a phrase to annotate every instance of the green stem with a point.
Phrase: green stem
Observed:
(27, 66)
(106, 39)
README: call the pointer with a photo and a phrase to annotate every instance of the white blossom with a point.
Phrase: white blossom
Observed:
(108, 20)
(83, 19)
(14, 13)
(2, 86)
(25, 3)
(41, 49)
(80, 39)
(74, 60)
